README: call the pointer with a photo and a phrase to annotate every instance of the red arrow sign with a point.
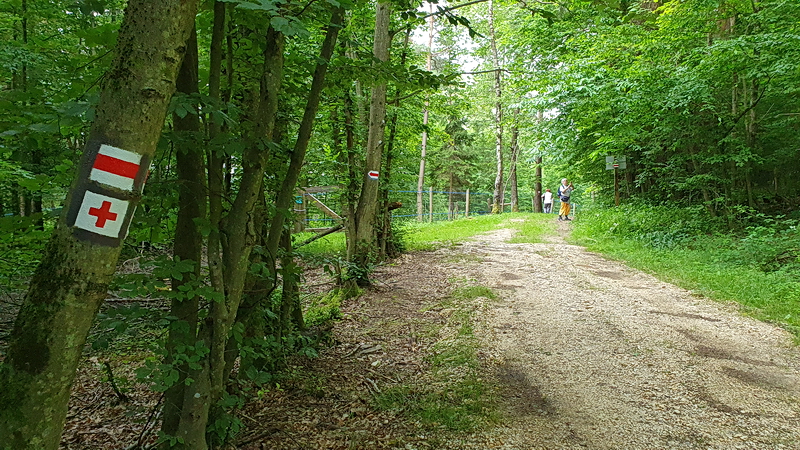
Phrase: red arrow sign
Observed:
(373, 174)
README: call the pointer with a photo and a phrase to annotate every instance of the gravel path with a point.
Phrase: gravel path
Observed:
(594, 354)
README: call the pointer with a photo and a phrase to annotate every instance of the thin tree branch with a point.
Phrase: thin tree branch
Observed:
(498, 69)
(305, 8)
(437, 13)
(747, 110)
(418, 91)
(451, 8)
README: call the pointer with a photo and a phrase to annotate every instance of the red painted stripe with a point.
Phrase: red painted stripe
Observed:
(116, 166)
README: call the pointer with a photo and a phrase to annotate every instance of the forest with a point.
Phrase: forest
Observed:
(174, 173)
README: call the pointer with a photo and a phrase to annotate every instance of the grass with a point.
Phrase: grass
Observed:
(420, 236)
(725, 267)
(429, 236)
(331, 244)
(454, 396)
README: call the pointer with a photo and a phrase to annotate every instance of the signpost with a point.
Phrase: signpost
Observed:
(615, 163)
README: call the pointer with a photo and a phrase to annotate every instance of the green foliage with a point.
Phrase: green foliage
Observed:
(757, 268)
(654, 226)
(326, 308)
(127, 328)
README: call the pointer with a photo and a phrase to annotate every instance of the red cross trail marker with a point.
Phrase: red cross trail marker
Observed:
(116, 167)
(373, 174)
(102, 215)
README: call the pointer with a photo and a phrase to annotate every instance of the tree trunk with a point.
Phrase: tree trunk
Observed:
(284, 200)
(72, 280)
(368, 200)
(499, 188)
(421, 176)
(216, 176)
(512, 176)
(537, 198)
(291, 311)
(349, 158)
(388, 249)
(188, 244)
(450, 207)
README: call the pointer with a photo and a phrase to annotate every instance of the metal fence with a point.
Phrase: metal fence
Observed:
(317, 207)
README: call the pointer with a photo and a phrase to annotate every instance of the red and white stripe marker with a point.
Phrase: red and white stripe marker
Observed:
(102, 214)
(373, 174)
(116, 167)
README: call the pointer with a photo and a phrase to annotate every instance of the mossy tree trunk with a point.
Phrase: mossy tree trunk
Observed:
(284, 200)
(188, 237)
(365, 215)
(73, 277)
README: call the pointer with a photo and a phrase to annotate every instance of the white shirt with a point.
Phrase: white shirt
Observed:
(548, 197)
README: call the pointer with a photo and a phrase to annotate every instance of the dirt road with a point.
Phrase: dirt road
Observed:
(593, 354)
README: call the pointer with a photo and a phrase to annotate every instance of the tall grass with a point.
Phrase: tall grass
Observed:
(757, 267)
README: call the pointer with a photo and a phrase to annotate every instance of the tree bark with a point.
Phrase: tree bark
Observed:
(512, 176)
(349, 158)
(188, 244)
(284, 199)
(368, 200)
(499, 188)
(72, 280)
(423, 153)
(537, 198)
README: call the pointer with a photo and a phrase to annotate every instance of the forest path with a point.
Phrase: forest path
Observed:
(594, 354)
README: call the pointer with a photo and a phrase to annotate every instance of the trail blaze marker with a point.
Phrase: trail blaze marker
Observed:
(116, 168)
(373, 174)
(103, 215)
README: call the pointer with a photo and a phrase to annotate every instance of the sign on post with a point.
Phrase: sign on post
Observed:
(615, 162)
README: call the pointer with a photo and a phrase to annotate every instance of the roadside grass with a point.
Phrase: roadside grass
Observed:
(454, 396)
(331, 244)
(429, 236)
(420, 236)
(745, 269)
(533, 228)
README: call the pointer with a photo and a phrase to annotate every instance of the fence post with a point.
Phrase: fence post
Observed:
(430, 204)
(466, 210)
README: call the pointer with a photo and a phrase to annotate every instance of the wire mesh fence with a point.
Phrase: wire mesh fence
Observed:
(319, 207)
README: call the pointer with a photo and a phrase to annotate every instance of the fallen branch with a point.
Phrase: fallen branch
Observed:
(330, 230)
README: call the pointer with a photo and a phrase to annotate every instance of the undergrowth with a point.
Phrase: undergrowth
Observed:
(757, 265)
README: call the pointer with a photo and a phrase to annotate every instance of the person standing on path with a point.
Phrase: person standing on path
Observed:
(547, 200)
(564, 191)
